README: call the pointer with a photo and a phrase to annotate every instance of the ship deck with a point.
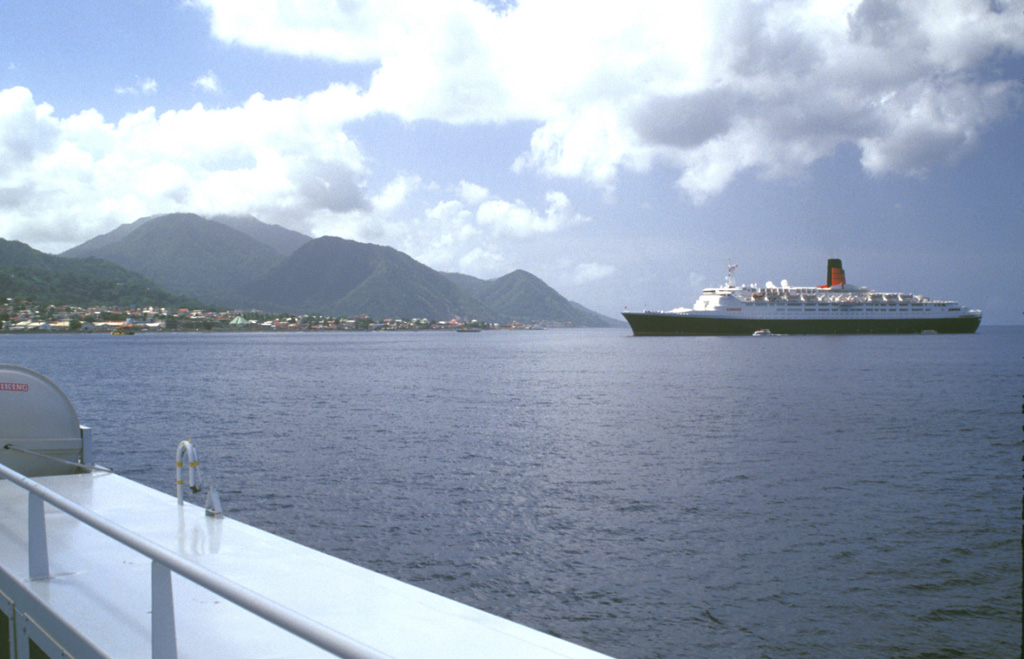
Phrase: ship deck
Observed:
(98, 595)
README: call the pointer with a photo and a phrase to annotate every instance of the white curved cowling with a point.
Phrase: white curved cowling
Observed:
(37, 418)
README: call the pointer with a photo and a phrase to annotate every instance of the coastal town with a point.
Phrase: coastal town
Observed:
(26, 316)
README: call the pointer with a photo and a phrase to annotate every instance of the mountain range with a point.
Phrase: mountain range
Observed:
(26, 273)
(243, 263)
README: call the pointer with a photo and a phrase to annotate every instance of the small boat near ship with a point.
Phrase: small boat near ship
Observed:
(833, 308)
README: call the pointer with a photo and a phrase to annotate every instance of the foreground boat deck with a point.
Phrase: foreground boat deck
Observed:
(100, 589)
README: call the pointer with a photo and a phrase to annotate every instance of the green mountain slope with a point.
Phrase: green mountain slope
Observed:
(26, 273)
(526, 298)
(334, 276)
(284, 241)
(281, 240)
(188, 255)
(90, 247)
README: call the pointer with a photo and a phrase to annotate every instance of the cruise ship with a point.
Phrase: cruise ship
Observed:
(833, 308)
(95, 565)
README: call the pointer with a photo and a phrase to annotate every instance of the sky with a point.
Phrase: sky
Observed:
(625, 153)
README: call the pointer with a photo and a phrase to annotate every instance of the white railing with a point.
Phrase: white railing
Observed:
(164, 643)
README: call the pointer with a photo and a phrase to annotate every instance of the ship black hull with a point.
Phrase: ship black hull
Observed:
(666, 324)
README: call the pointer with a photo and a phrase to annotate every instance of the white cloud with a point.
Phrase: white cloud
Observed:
(919, 125)
(482, 263)
(472, 193)
(476, 232)
(519, 221)
(586, 273)
(283, 161)
(712, 88)
(144, 86)
(286, 161)
(396, 193)
(208, 82)
(590, 145)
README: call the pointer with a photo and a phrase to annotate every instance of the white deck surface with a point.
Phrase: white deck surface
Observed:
(102, 588)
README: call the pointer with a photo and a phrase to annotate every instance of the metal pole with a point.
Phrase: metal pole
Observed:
(165, 642)
(38, 558)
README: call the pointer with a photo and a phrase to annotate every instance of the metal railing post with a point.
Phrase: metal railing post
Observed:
(21, 643)
(86, 444)
(38, 558)
(165, 642)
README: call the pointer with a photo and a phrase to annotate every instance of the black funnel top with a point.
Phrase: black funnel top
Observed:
(834, 274)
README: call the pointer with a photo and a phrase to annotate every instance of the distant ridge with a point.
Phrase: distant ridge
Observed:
(284, 241)
(189, 255)
(243, 263)
(334, 276)
(527, 298)
(281, 240)
(90, 247)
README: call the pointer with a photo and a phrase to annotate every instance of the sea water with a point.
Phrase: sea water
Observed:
(793, 496)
